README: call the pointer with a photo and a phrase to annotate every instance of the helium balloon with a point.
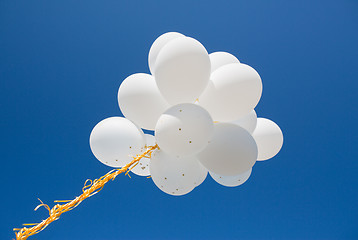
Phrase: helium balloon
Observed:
(157, 45)
(231, 151)
(231, 181)
(202, 176)
(150, 140)
(182, 70)
(142, 168)
(233, 91)
(177, 192)
(219, 59)
(115, 140)
(269, 138)
(173, 175)
(248, 121)
(184, 129)
(140, 100)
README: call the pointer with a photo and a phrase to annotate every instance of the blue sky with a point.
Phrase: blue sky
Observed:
(61, 63)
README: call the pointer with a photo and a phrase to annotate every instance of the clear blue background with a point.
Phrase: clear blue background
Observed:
(61, 63)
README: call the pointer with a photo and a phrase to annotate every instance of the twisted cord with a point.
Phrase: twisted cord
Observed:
(90, 188)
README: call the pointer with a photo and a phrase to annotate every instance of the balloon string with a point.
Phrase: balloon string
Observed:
(89, 189)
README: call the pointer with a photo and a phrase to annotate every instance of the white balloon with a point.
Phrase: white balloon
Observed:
(202, 176)
(248, 121)
(115, 140)
(231, 151)
(219, 59)
(142, 168)
(140, 100)
(231, 181)
(182, 70)
(150, 140)
(184, 129)
(172, 175)
(157, 45)
(233, 91)
(269, 138)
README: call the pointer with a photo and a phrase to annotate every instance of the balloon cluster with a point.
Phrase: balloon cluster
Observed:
(201, 108)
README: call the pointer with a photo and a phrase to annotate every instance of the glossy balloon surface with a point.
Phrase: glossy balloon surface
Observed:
(233, 91)
(172, 175)
(269, 138)
(248, 121)
(231, 181)
(182, 70)
(184, 129)
(219, 59)
(157, 45)
(231, 151)
(115, 141)
(140, 100)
